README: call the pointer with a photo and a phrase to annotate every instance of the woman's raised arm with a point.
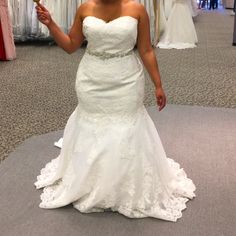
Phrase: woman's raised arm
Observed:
(71, 42)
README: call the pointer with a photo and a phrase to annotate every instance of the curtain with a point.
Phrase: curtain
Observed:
(26, 25)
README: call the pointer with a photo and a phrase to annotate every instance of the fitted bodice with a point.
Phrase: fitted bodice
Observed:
(116, 36)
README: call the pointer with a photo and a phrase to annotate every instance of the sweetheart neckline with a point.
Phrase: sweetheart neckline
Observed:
(107, 22)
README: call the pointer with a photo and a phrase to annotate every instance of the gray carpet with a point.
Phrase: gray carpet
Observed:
(201, 139)
(37, 90)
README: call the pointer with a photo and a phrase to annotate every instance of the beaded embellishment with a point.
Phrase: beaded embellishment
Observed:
(106, 55)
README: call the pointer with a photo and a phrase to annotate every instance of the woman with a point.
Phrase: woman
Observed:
(112, 157)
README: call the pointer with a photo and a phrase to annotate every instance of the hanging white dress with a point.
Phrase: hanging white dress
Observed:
(10, 10)
(31, 19)
(35, 28)
(193, 7)
(60, 14)
(24, 19)
(180, 31)
(162, 17)
(112, 156)
(151, 13)
(168, 4)
(71, 11)
(50, 5)
(13, 4)
(18, 11)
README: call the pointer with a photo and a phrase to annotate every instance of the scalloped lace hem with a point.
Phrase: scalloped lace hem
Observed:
(170, 208)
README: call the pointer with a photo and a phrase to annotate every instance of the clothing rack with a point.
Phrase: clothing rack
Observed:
(26, 26)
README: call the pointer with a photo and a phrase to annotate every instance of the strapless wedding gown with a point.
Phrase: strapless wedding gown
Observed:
(112, 156)
(180, 31)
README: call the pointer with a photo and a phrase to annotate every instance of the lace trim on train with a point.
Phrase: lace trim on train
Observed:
(149, 204)
(47, 173)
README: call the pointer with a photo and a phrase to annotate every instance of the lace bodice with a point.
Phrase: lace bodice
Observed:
(116, 36)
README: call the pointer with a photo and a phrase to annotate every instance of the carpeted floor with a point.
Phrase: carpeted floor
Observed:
(37, 90)
(201, 139)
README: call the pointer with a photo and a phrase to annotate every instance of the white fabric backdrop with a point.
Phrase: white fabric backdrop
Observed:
(25, 24)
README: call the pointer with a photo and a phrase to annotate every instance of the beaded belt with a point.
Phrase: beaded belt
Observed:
(106, 55)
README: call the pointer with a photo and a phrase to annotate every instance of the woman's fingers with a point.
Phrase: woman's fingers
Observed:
(41, 14)
(161, 102)
(161, 98)
(42, 17)
(40, 11)
(42, 7)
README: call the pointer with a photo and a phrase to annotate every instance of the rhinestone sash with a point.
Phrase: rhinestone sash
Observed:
(106, 55)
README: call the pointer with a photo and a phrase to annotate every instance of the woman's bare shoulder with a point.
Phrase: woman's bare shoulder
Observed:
(135, 3)
(88, 4)
(136, 7)
(85, 8)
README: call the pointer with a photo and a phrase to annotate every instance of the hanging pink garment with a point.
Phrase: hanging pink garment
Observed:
(7, 31)
(2, 47)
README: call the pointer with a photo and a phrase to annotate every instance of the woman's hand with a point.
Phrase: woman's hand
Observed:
(161, 98)
(43, 15)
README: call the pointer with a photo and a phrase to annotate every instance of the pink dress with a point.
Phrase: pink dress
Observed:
(7, 35)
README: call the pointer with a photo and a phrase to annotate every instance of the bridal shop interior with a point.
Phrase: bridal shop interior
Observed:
(194, 43)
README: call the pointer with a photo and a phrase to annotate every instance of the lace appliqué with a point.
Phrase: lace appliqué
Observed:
(47, 173)
(146, 200)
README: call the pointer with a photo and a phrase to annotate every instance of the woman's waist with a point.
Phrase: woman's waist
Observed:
(110, 62)
(109, 54)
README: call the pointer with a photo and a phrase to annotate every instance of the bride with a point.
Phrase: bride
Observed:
(112, 157)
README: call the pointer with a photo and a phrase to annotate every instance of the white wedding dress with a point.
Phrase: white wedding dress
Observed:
(180, 31)
(112, 157)
(168, 4)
